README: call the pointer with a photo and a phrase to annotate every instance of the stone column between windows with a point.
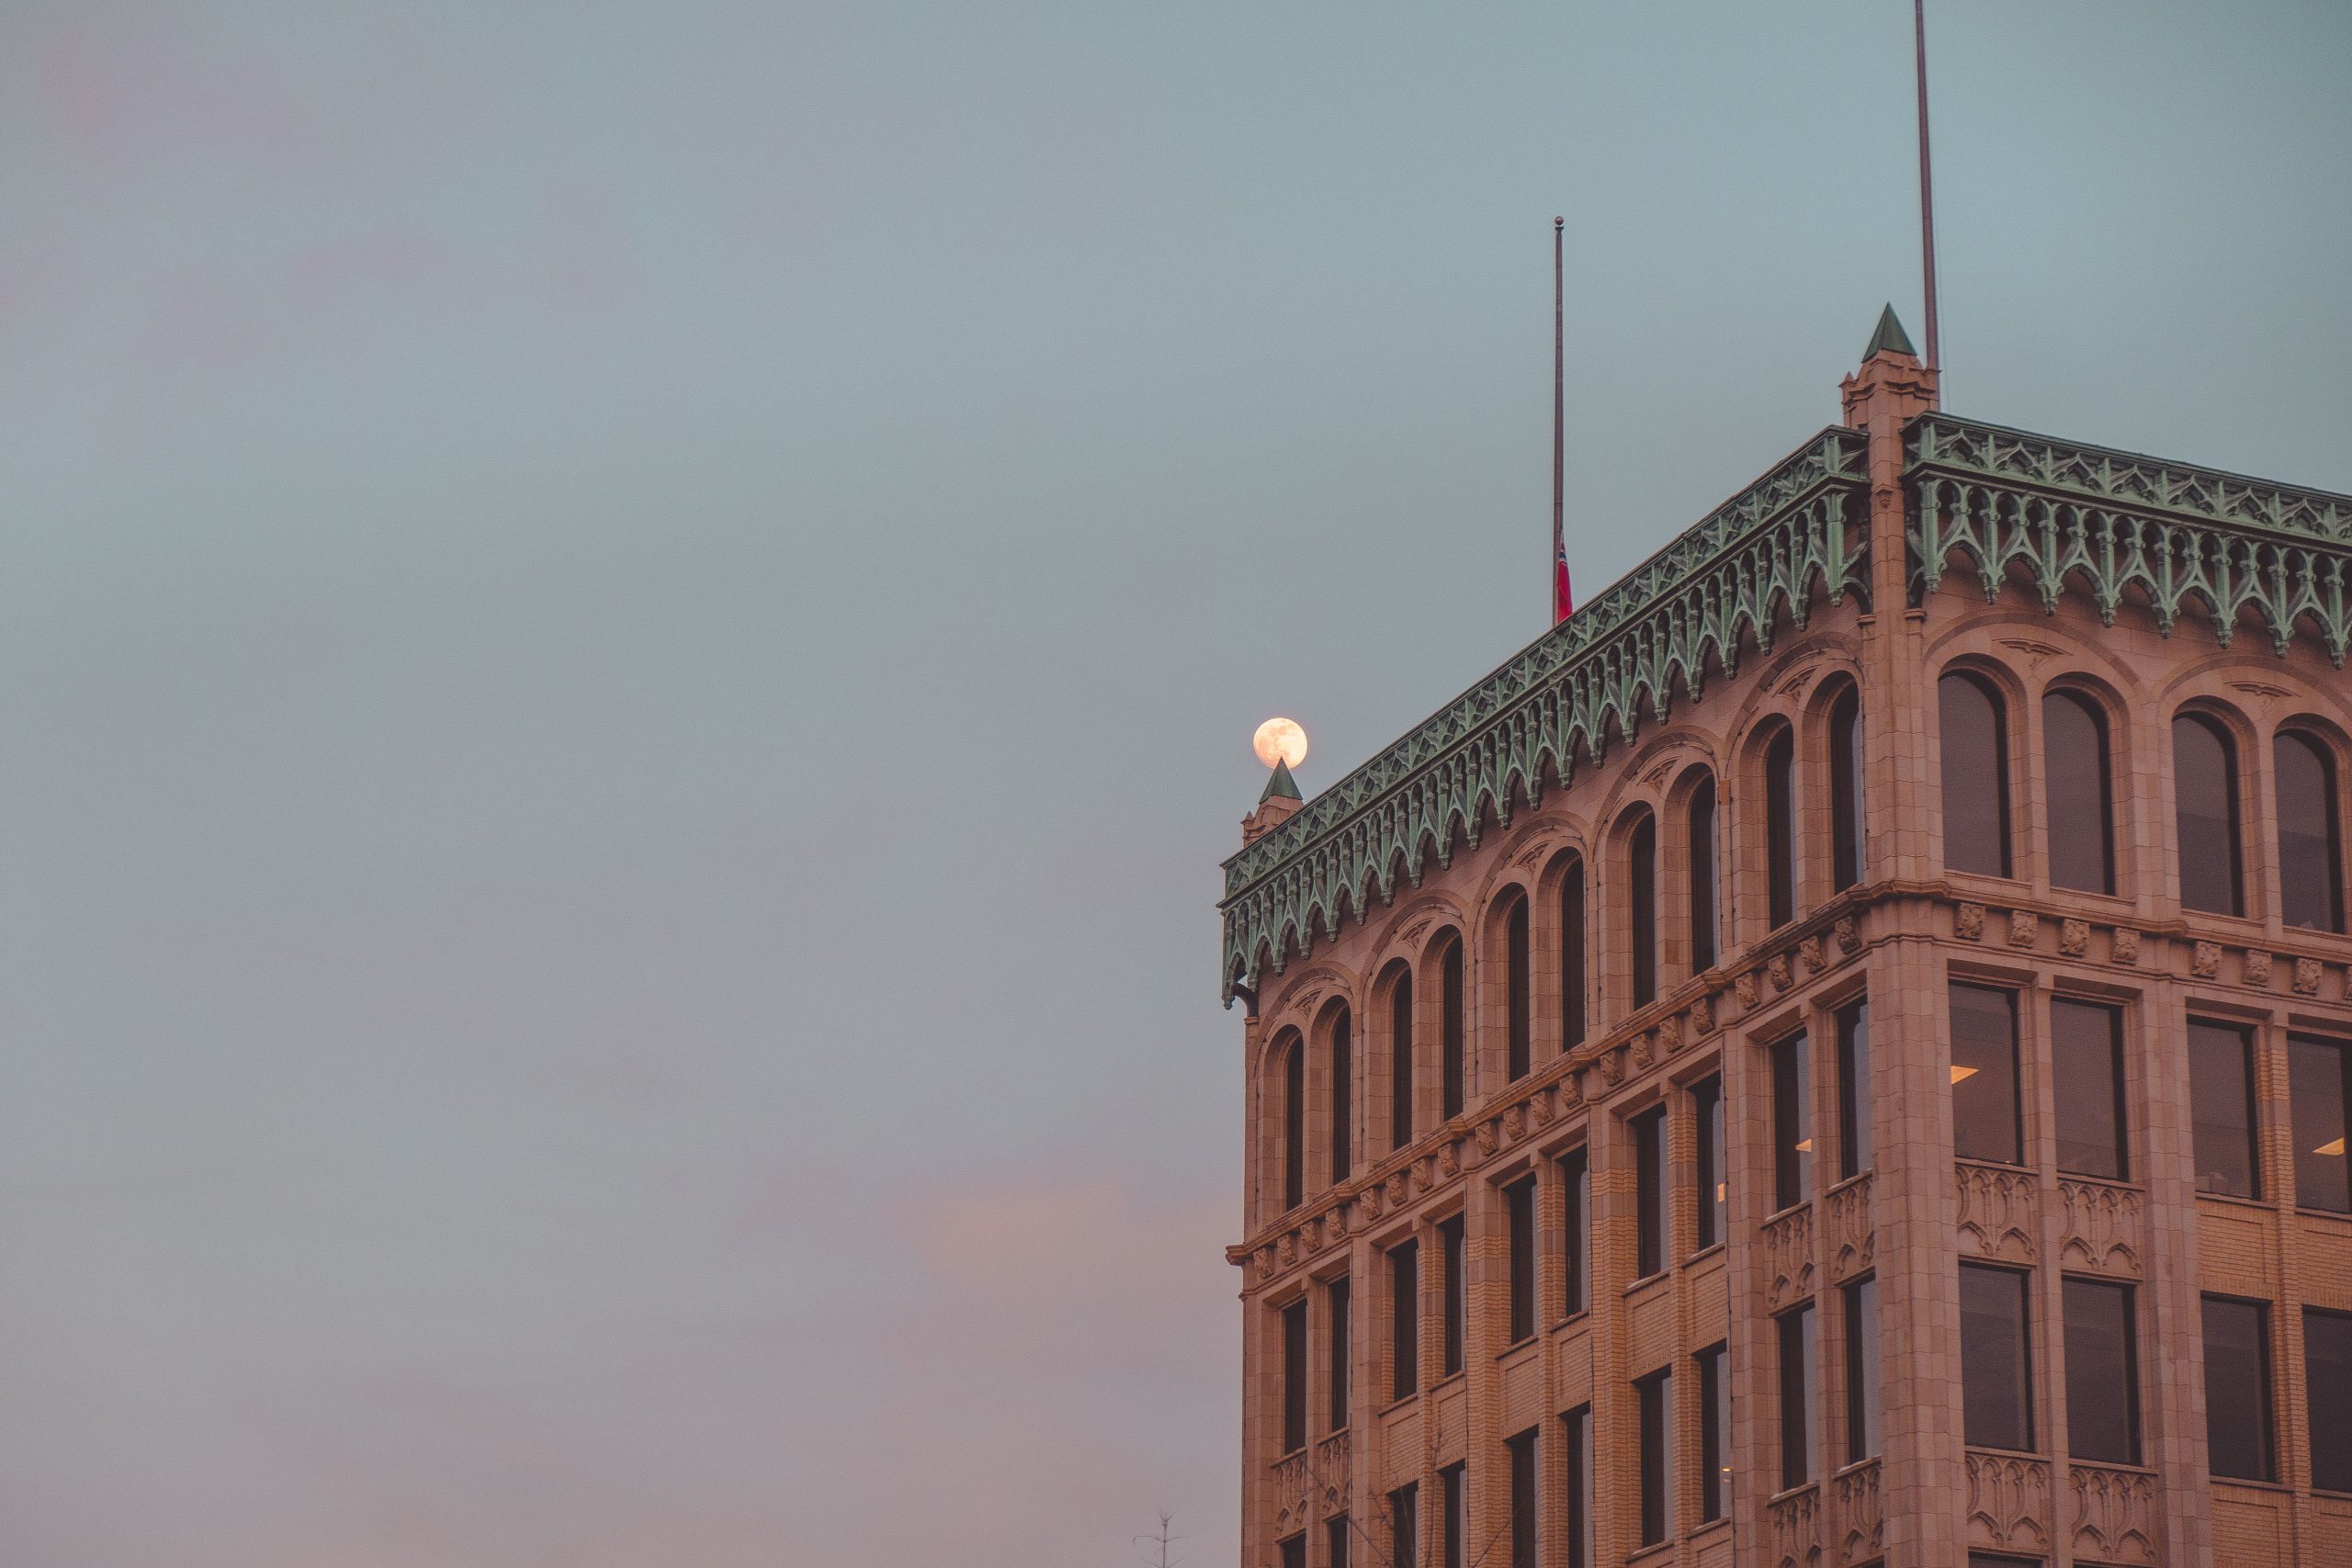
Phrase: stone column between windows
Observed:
(2171, 1402)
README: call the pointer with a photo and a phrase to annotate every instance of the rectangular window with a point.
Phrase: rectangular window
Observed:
(2315, 1094)
(2221, 1102)
(2327, 1384)
(1792, 1123)
(1575, 1241)
(1405, 1526)
(1525, 1498)
(1707, 1122)
(1800, 1417)
(1457, 1518)
(1335, 1375)
(2102, 1371)
(1335, 1532)
(1986, 1121)
(1649, 1192)
(1996, 1358)
(1577, 1426)
(2237, 1389)
(1293, 1551)
(1862, 1370)
(1404, 1319)
(1855, 1152)
(2087, 1086)
(1654, 1398)
(1715, 1434)
(1519, 1201)
(1457, 1291)
(1294, 1377)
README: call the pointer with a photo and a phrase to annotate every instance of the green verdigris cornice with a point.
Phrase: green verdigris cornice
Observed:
(1798, 531)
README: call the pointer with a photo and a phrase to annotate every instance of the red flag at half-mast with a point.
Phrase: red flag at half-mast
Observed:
(1563, 603)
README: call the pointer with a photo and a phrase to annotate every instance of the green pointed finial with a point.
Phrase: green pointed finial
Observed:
(1890, 338)
(1280, 786)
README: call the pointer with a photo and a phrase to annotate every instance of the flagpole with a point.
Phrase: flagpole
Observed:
(1927, 186)
(1559, 430)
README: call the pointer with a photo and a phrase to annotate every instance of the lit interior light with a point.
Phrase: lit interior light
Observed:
(1719, 1188)
(1804, 1146)
(2334, 1148)
(1960, 1073)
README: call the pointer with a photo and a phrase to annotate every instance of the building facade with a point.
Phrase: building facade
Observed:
(1835, 1054)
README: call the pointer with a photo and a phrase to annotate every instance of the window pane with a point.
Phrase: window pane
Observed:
(1294, 1377)
(1344, 1077)
(1294, 1552)
(1849, 838)
(1337, 1298)
(1996, 1374)
(2205, 803)
(1457, 1520)
(1976, 777)
(1525, 1503)
(1649, 1181)
(2221, 1099)
(1519, 1201)
(1707, 1121)
(1293, 1051)
(1401, 1061)
(1799, 1419)
(1515, 987)
(1405, 1319)
(1715, 1434)
(1576, 1186)
(1642, 876)
(1405, 1526)
(1572, 980)
(1780, 825)
(1656, 1419)
(1792, 1123)
(2086, 1082)
(2315, 1091)
(2237, 1389)
(1985, 1122)
(1335, 1532)
(1579, 1423)
(1457, 1291)
(2077, 793)
(1861, 1371)
(1854, 1102)
(1701, 846)
(2102, 1372)
(2327, 1372)
(2310, 866)
(1450, 1026)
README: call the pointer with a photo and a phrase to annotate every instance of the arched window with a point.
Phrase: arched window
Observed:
(1343, 1083)
(1641, 886)
(2311, 864)
(2205, 813)
(1400, 1058)
(1572, 962)
(1848, 857)
(1294, 1054)
(2078, 791)
(1516, 1000)
(1977, 776)
(1700, 822)
(1780, 825)
(1452, 1029)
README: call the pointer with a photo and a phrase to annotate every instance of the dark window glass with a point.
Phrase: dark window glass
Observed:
(1780, 826)
(1457, 1291)
(2316, 1096)
(1654, 1400)
(2205, 809)
(1854, 1102)
(2327, 1383)
(1994, 1559)
(2220, 1099)
(1294, 1377)
(1715, 1434)
(1577, 1424)
(1702, 876)
(1525, 1499)
(2102, 1371)
(1575, 1241)
(1335, 1535)
(1343, 1082)
(1517, 1003)
(1293, 1551)
(1862, 1370)
(1405, 1526)
(2237, 1389)
(1457, 1519)
(1400, 1060)
(1799, 1419)
(1986, 1120)
(1572, 980)
(1707, 1121)
(1293, 1052)
(2076, 793)
(2086, 1087)
(1641, 874)
(1649, 1192)
(1519, 1201)
(1791, 1121)
(1996, 1365)
(2310, 858)
(1404, 1319)
(1976, 776)
(1450, 1026)
(1847, 855)
(1337, 1301)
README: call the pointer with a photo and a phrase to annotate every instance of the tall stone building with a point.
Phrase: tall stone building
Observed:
(1835, 1054)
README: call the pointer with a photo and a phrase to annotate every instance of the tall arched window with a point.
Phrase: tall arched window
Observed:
(1780, 826)
(1400, 1058)
(1572, 960)
(1977, 776)
(1849, 856)
(2311, 864)
(1517, 1003)
(1452, 1029)
(2205, 813)
(1641, 885)
(1294, 1054)
(2078, 791)
(1343, 1083)
(1700, 823)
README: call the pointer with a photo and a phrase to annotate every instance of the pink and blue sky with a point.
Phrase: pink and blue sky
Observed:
(628, 636)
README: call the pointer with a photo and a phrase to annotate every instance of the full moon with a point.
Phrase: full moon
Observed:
(1280, 740)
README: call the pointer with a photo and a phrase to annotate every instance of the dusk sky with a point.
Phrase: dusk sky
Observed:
(628, 636)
